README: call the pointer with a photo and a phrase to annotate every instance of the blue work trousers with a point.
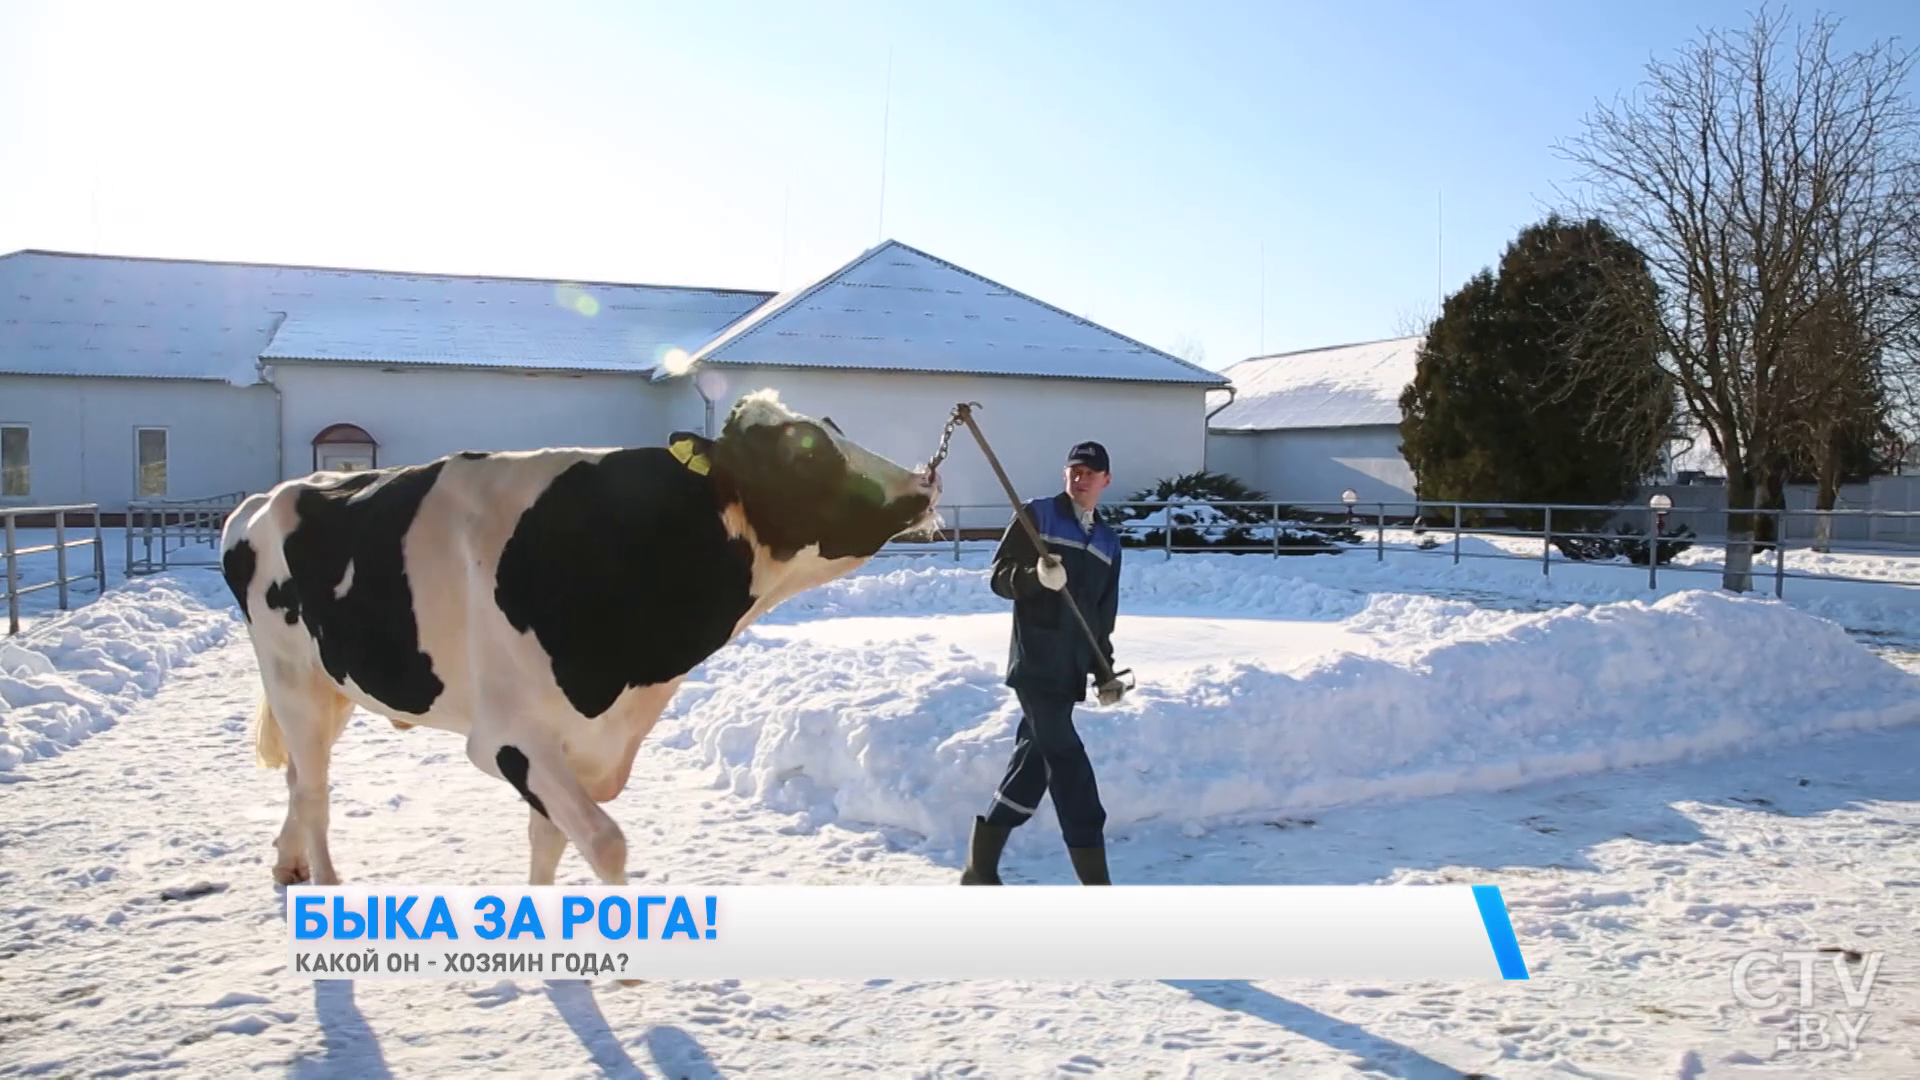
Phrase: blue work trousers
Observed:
(1048, 758)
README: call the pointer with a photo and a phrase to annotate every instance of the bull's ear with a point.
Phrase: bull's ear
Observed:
(828, 420)
(691, 449)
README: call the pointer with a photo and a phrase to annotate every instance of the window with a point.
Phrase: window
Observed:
(151, 458)
(15, 474)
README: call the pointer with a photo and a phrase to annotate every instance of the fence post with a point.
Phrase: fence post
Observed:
(99, 556)
(1546, 544)
(1380, 535)
(956, 534)
(1653, 548)
(1167, 508)
(1456, 534)
(13, 580)
(60, 554)
(1276, 530)
(1780, 554)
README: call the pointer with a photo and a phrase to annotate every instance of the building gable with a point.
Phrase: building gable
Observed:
(896, 308)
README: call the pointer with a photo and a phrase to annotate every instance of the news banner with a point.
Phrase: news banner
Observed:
(1447, 932)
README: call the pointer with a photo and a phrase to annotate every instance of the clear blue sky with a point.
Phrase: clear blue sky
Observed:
(1125, 161)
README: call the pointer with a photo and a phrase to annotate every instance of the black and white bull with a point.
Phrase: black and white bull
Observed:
(545, 604)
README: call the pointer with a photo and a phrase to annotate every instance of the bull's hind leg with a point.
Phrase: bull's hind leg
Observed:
(290, 865)
(310, 715)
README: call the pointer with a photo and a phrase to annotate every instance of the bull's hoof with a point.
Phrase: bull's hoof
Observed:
(607, 854)
(401, 724)
(289, 875)
(630, 982)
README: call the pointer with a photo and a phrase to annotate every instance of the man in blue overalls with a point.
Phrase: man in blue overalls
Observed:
(1048, 665)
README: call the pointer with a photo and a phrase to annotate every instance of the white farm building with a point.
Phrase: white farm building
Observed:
(140, 378)
(1305, 426)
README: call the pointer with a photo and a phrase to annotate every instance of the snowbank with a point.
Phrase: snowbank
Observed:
(76, 673)
(1886, 602)
(914, 735)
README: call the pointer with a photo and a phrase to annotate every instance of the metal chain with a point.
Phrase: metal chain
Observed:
(959, 417)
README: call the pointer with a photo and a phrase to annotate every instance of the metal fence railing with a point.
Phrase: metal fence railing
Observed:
(61, 580)
(1598, 535)
(161, 531)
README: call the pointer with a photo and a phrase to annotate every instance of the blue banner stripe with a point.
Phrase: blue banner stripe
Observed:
(1506, 947)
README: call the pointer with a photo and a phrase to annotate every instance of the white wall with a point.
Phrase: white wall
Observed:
(1703, 508)
(220, 438)
(1895, 494)
(1235, 454)
(417, 415)
(1314, 465)
(1152, 431)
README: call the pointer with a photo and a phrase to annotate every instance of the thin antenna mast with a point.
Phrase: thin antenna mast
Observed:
(1439, 249)
(786, 202)
(886, 119)
(1263, 297)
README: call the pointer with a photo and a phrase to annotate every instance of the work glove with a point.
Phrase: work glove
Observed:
(1112, 691)
(1051, 572)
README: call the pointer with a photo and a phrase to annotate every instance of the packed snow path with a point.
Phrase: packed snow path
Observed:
(1633, 893)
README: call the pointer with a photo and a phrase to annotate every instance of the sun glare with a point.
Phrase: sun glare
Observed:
(577, 300)
(677, 361)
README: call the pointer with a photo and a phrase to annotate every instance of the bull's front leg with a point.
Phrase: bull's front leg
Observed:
(545, 844)
(525, 756)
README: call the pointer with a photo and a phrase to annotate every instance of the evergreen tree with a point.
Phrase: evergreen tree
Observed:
(1517, 396)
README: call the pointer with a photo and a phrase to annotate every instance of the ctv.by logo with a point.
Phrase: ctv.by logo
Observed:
(1813, 1030)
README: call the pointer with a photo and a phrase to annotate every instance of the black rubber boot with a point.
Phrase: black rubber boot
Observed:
(1091, 864)
(983, 853)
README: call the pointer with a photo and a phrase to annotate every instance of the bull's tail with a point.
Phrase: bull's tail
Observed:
(268, 746)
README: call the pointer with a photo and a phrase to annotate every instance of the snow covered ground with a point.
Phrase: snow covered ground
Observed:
(1660, 781)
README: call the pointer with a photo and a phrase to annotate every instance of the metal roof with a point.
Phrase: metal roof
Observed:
(73, 314)
(563, 343)
(896, 308)
(1343, 386)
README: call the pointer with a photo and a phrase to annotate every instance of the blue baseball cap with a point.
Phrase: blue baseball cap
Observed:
(1091, 454)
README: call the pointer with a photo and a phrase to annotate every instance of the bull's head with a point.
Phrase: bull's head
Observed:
(801, 482)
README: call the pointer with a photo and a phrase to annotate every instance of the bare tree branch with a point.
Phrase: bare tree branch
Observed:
(1770, 183)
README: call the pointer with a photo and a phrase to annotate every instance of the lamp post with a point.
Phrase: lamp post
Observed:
(1659, 504)
(1349, 497)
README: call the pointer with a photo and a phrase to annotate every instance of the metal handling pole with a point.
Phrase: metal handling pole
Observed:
(965, 412)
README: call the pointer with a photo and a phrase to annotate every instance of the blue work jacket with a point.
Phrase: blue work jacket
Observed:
(1050, 653)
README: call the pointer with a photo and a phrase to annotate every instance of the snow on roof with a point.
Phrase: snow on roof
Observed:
(1343, 386)
(74, 314)
(896, 308)
(562, 343)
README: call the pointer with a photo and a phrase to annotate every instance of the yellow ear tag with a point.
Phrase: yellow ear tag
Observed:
(683, 449)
